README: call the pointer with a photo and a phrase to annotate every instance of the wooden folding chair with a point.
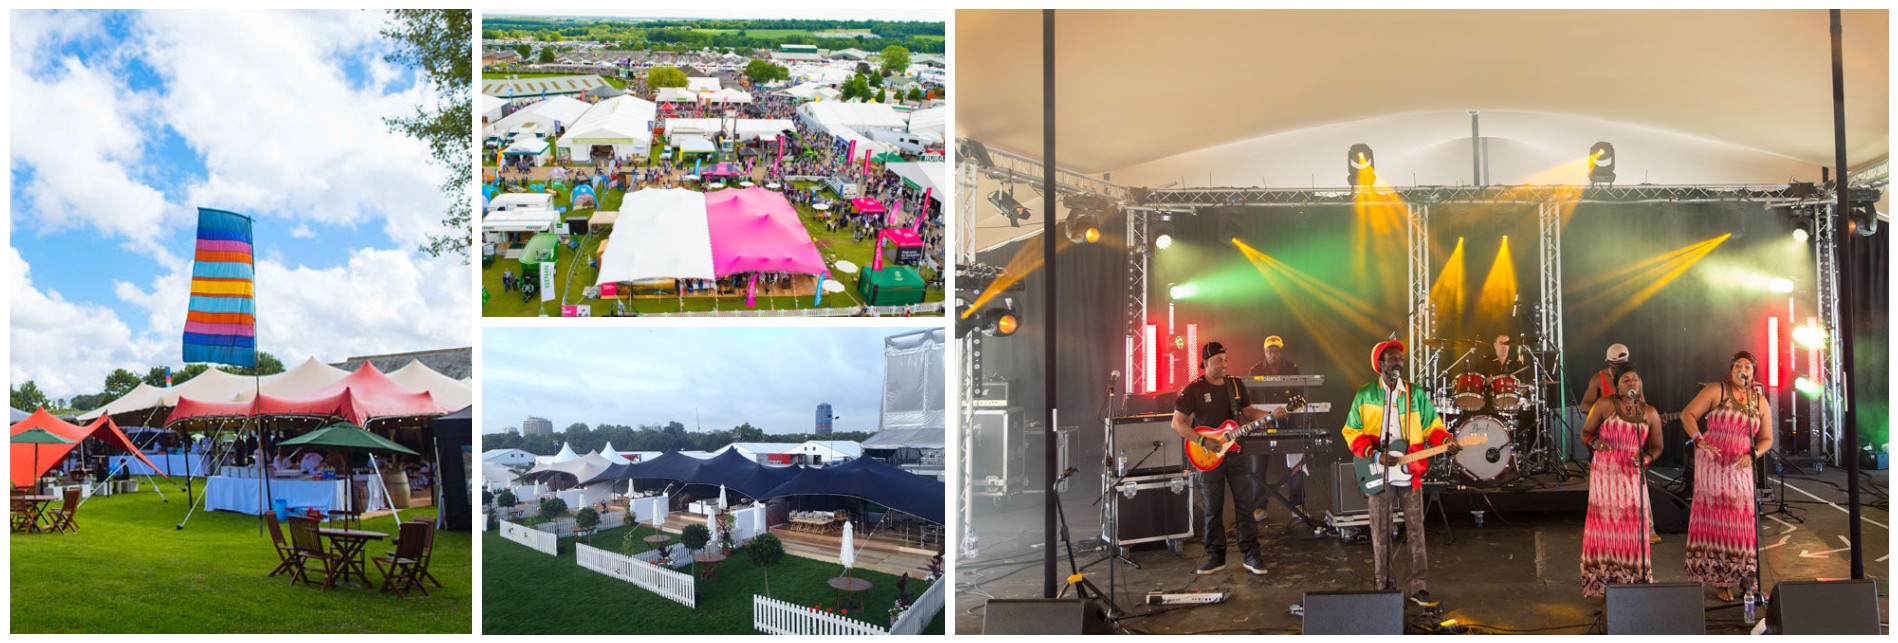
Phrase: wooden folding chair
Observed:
(401, 568)
(65, 517)
(309, 546)
(428, 552)
(287, 560)
(22, 515)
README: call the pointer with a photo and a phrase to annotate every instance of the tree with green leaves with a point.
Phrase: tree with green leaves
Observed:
(551, 509)
(546, 54)
(765, 550)
(507, 500)
(119, 382)
(762, 71)
(435, 43)
(524, 50)
(267, 364)
(694, 537)
(895, 60)
(661, 77)
(883, 96)
(487, 496)
(916, 94)
(857, 88)
(586, 518)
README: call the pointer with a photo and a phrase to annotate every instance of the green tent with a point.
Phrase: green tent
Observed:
(343, 435)
(538, 250)
(892, 286)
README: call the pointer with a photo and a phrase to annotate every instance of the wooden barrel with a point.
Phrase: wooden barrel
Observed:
(398, 484)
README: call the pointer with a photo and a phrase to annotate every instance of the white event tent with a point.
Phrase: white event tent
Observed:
(624, 122)
(660, 234)
(540, 118)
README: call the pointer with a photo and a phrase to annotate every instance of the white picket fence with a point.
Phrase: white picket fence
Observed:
(773, 616)
(535, 539)
(675, 586)
(919, 614)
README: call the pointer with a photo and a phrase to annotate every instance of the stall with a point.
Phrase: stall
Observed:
(892, 286)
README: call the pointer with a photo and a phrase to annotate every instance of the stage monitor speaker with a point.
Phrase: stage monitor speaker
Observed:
(1145, 403)
(1044, 616)
(1346, 498)
(1150, 442)
(1824, 607)
(1670, 511)
(1154, 512)
(1657, 608)
(996, 449)
(1354, 613)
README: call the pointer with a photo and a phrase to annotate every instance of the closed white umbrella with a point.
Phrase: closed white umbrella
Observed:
(849, 554)
(721, 497)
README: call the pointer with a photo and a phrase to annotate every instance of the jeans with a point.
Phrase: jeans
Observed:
(1412, 506)
(1235, 472)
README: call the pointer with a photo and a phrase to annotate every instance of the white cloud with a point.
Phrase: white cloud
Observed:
(65, 347)
(303, 232)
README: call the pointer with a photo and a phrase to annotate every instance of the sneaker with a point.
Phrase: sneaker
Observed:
(1212, 564)
(1258, 515)
(1654, 538)
(1254, 564)
(1422, 598)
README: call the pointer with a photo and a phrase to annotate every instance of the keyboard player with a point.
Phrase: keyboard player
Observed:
(1275, 363)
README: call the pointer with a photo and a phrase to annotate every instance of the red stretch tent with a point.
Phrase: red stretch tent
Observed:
(363, 396)
(27, 468)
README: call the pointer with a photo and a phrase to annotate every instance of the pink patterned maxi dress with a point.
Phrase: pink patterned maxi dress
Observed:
(1720, 531)
(1615, 536)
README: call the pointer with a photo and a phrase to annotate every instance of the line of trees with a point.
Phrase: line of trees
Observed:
(684, 35)
(672, 436)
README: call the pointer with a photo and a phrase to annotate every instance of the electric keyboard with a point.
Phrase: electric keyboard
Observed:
(1314, 407)
(1285, 381)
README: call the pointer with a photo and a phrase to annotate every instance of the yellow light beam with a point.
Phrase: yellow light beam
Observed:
(1499, 287)
(1027, 259)
(1601, 325)
(1448, 290)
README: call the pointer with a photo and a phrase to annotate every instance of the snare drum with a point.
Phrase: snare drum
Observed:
(1485, 462)
(1503, 393)
(1469, 392)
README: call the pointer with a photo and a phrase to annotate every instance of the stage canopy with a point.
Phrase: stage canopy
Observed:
(872, 480)
(29, 462)
(755, 230)
(659, 234)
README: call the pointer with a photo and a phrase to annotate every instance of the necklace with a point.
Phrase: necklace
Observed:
(1629, 412)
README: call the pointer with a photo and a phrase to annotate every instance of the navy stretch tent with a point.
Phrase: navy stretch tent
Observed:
(759, 482)
(874, 481)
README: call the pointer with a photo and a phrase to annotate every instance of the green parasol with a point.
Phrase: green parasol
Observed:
(37, 437)
(347, 437)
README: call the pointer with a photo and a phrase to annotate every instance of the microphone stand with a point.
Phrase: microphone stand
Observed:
(1110, 514)
(1083, 588)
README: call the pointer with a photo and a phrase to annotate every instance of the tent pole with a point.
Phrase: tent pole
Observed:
(376, 471)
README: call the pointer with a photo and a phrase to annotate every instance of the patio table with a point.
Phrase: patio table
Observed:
(35, 508)
(349, 544)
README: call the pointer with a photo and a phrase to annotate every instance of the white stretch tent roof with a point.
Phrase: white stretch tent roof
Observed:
(529, 146)
(308, 377)
(676, 95)
(728, 96)
(613, 456)
(746, 128)
(812, 91)
(660, 234)
(541, 116)
(521, 220)
(625, 120)
(701, 85)
(831, 116)
(927, 175)
(566, 454)
(933, 121)
(518, 200)
(449, 392)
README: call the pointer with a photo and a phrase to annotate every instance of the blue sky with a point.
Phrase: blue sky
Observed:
(771, 377)
(123, 123)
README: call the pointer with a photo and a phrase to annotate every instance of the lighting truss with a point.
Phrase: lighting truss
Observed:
(1489, 194)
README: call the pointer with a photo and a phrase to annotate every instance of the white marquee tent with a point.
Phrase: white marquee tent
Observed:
(660, 234)
(449, 392)
(625, 123)
(540, 118)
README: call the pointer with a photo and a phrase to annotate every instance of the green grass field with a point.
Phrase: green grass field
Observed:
(833, 245)
(610, 80)
(129, 570)
(527, 592)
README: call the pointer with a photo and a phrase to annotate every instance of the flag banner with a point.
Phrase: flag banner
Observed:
(220, 321)
(751, 292)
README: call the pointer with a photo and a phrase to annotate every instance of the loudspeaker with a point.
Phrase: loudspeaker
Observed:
(1141, 435)
(1656, 608)
(1346, 498)
(1824, 607)
(1670, 511)
(1044, 616)
(1155, 512)
(1354, 613)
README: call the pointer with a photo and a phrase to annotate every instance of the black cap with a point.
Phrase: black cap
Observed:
(1207, 352)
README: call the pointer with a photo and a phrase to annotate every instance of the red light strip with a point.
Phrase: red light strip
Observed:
(1772, 352)
(1192, 352)
(1149, 345)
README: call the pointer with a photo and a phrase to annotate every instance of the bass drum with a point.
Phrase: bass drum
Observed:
(1485, 462)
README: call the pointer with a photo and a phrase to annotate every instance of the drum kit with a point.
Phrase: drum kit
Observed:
(1501, 407)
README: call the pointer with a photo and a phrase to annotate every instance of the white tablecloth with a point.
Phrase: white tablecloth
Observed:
(705, 507)
(171, 465)
(240, 494)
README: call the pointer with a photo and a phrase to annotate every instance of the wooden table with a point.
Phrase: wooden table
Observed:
(34, 507)
(657, 541)
(846, 585)
(587, 532)
(711, 559)
(349, 544)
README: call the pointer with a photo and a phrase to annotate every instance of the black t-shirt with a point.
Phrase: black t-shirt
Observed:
(1493, 366)
(1211, 405)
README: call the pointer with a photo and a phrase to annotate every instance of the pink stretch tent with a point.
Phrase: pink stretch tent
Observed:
(29, 462)
(360, 398)
(867, 205)
(755, 230)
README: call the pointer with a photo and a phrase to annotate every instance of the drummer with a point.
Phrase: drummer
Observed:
(1505, 360)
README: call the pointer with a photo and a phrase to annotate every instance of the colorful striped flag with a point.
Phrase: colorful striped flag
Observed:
(221, 322)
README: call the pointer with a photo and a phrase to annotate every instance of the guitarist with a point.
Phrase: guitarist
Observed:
(1392, 415)
(1211, 400)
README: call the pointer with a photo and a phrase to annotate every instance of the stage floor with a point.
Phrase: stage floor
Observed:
(1517, 573)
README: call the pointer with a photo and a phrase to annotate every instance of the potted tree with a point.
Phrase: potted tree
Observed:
(694, 537)
(551, 509)
(764, 551)
(725, 534)
(586, 520)
(507, 501)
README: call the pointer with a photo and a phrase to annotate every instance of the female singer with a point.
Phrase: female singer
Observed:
(1625, 434)
(1721, 537)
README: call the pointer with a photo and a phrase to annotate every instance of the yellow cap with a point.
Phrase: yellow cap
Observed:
(1274, 341)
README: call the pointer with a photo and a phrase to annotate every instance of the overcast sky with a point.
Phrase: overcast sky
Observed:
(798, 13)
(771, 377)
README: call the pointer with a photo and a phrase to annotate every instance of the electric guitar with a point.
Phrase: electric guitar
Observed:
(1371, 472)
(1206, 457)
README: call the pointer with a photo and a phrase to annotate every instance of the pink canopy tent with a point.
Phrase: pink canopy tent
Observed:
(721, 169)
(867, 205)
(755, 230)
(363, 396)
(901, 237)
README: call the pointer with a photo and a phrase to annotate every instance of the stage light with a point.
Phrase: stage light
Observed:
(1005, 203)
(1809, 336)
(1000, 323)
(1601, 163)
(1864, 219)
(1163, 241)
(1809, 387)
(997, 321)
(1163, 233)
(1782, 285)
(1182, 291)
(1360, 165)
(1085, 213)
(1229, 228)
(1800, 235)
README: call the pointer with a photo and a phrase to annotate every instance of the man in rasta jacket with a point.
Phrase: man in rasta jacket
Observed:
(1391, 415)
